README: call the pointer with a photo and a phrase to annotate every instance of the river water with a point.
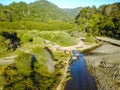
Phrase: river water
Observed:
(81, 79)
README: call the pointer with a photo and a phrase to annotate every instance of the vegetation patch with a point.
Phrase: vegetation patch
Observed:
(90, 39)
(59, 37)
(41, 26)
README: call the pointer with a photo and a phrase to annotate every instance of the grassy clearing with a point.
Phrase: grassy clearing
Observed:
(41, 26)
(59, 37)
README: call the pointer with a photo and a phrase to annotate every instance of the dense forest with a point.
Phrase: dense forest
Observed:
(25, 27)
(104, 20)
(42, 11)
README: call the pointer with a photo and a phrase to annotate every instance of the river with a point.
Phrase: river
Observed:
(81, 79)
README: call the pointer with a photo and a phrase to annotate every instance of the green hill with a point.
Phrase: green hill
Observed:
(43, 10)
(104, 20)
(40, 10)
(73, 12)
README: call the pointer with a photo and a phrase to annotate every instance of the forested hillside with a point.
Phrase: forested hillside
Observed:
(40, 10)
(40, 15)
(73, 12)
(104, 20)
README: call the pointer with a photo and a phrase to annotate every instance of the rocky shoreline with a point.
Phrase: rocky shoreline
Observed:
(104, 65)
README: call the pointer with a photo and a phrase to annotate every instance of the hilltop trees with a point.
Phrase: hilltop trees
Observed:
(41, 10)
(104, 20)
(87, 20)
(13, 12)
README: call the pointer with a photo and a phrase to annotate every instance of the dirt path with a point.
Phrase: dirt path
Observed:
(112, 41)
(60, 86)
(7, 60)
(80, 46)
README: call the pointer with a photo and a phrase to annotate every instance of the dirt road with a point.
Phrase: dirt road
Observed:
(7, 60)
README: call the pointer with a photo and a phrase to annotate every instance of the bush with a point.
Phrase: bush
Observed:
(90, 39)
(23, 63)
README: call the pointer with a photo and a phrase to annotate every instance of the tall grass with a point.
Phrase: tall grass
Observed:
(28, 25)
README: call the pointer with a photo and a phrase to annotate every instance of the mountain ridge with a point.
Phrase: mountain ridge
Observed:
(73, 12)
(40, 10)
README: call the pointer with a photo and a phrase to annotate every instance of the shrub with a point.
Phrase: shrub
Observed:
(90, 39)
(23, 63)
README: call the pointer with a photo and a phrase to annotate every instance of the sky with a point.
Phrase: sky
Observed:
(68, 3)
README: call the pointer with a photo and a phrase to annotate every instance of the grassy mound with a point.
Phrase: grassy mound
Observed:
(59, 37)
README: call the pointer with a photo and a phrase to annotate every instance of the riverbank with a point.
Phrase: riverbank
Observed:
(81, 46)
(112, 41)
(104, 65)
(63, 78)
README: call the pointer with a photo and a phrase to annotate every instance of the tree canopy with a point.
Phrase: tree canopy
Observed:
(104, 20)
(41, 10)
